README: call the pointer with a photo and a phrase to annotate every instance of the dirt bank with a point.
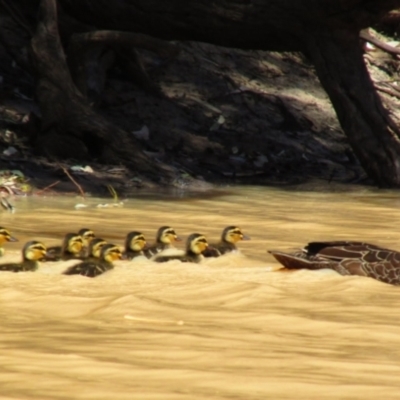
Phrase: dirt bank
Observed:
(223, 116)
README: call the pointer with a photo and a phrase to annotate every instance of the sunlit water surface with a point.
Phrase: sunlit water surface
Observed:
(231, 328)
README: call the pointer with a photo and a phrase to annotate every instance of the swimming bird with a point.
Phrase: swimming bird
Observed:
(231, 235)
(71, 247)
(134, 245)
(5, 236)
(32, 253)
(195, 246)
(165, 239)
(95, 267)
(346, 258)
(94, 249)
(87, 236)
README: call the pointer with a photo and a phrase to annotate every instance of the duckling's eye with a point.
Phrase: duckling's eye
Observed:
(140, 238)
(170, 232)
(202, 240)
(237, 233)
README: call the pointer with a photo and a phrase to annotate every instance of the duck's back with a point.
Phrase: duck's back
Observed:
(90, 268)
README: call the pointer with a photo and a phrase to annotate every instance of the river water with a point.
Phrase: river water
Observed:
(231, 328)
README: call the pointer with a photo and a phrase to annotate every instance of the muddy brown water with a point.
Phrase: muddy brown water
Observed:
(231, 328)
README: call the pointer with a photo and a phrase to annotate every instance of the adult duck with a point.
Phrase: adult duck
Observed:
(346, 258)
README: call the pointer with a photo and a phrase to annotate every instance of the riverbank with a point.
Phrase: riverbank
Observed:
(222, 116)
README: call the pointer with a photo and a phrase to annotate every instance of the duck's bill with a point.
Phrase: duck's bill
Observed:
(12, 239)
(245, 237)
(178, 239)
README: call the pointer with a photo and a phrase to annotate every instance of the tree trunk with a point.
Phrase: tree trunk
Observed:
(374, 138)
(70, 125)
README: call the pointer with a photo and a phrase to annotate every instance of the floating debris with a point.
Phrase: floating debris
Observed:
(110, 205)
(79, 206)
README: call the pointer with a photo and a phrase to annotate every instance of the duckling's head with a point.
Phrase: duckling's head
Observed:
(87, 236)
(167, 235)
(196, 243)
(5, 236)
(33, 251)
(95, 247)
(72, 243)
(135, 241)
(110, 253)
(233, 234)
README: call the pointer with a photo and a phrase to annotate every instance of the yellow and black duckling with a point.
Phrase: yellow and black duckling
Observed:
(196, 244)
(165, 239)
(72, 247)
(32, 253)
(5, 236)
(346, 258)
(230, 236)
(87, 236)
(95, 267)
(134, 245)
(94, 249)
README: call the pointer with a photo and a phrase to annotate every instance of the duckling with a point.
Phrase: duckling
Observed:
(71, 247)
(230, 236)
(93, 267)
(87, 236)
(165, 238)
(5, 236)
(134, 245)
(94, 249)
(196, 244)
(32, 252)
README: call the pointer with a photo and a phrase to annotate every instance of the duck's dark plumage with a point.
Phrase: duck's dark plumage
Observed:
(95, 267)
(346, 258)
(32, 253)
(229, 237)
(196, 244)
(165, 238)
